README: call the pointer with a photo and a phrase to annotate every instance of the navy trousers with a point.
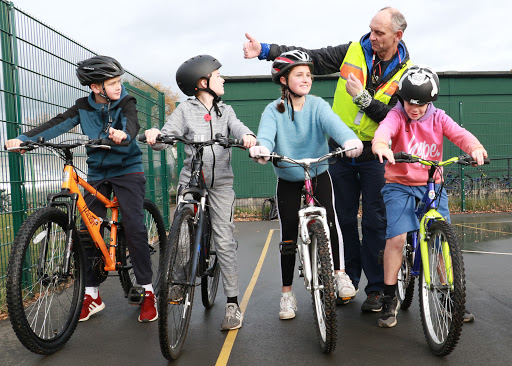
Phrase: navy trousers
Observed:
(350, 182)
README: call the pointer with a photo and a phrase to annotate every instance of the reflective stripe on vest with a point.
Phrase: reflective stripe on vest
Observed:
(343, 106)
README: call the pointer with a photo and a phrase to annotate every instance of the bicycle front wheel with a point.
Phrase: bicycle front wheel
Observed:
(176, 293)
(157, 240)
(44, 303)
(442, 302)
(323, 288)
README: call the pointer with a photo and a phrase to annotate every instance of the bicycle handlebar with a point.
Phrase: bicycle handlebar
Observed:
(225, 142)
(466, 159)
(99, 143)
(276, 158)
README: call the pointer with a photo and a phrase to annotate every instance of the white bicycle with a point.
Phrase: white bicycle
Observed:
(314, 248)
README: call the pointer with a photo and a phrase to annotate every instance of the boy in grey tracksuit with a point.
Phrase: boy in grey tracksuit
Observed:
(200, 119)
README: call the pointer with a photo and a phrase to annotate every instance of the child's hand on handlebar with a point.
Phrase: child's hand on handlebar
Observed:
(256, 151)
(116, 135)
(479, 155)
(14, 143)
(249, 141)
(151, 135)
(351, 144)
(384, 152)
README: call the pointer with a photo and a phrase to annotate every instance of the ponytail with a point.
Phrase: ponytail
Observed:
(280, 106)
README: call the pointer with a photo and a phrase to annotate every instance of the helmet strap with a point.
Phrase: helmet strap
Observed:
(216, 98)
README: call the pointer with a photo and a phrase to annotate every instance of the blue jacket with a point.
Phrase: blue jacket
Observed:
(93, 119)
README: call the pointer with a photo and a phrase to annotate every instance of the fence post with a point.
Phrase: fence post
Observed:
(11, 90)
(462, 181)
(163, 159)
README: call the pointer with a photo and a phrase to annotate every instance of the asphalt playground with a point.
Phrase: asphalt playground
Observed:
(115, 337)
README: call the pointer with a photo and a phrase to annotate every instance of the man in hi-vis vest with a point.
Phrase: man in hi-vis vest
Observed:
(369, 73)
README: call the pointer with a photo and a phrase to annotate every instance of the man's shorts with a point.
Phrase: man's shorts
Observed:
(400, 204)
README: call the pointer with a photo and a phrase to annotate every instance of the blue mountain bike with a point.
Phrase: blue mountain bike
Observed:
(433, 254)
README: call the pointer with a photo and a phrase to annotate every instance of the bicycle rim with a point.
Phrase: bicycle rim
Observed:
(442, 303)
(323, 289)
(176, 296)
(44, 304)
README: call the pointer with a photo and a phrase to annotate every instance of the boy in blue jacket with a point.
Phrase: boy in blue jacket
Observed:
(108, 112)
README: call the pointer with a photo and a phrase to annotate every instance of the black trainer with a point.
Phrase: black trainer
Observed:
(390, 308)
(468, 317)
(373, 302)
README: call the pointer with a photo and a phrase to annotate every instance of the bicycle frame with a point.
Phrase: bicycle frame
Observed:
(70, 183)
(426, 211)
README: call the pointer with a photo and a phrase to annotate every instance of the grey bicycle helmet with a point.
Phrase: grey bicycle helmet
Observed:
(97, 69)
(194, 69)
(287, 60)
(419, 85)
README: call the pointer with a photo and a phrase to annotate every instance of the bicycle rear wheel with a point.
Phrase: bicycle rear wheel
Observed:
(44, 303)
(157, 239)
(176, 295)
(405, 278)
(442, 303)
(210, 279)
(323, 288)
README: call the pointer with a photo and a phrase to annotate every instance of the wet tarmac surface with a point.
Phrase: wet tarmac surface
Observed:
(114, 336)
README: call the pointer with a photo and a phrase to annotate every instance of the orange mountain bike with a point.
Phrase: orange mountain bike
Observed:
(45, 277)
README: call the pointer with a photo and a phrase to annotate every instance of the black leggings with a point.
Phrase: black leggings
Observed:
(288, 205)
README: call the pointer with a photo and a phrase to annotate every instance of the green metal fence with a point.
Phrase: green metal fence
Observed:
(37, 82)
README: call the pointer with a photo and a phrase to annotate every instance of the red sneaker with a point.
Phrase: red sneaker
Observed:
(148, 312)
(91, 306)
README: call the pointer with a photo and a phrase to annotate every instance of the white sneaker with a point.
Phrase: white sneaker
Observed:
(345, 287)
(288, 306)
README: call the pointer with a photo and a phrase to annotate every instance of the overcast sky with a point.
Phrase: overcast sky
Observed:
(151, 38)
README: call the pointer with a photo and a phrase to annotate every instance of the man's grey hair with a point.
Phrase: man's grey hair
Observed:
(398, 21)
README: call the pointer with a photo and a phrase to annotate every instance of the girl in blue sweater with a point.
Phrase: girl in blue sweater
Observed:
(296, 126)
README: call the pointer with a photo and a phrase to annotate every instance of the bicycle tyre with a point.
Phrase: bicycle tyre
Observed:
(442, 306)
(174, 314)
(44, 308)
(157, 239)
(323, 289)
(266, 209)
(210, 280)
(405, 278)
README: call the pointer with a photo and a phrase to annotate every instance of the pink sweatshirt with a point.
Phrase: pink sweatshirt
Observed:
(423, 138)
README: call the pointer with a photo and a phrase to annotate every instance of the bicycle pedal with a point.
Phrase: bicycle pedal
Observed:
(136, 295)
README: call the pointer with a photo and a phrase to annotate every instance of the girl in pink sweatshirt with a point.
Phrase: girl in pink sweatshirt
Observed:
(417, 127)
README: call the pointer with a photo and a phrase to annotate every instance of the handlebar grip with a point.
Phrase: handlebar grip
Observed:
(141, 138)
(401, 155)
(487, 161)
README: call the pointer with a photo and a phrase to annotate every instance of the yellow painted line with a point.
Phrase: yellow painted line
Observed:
(480, 252)
(479, 228)
(230, 338)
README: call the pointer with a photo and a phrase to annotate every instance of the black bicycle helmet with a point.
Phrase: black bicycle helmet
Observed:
(282, 64)
(97, 69)
(419, 85)
(192, 70)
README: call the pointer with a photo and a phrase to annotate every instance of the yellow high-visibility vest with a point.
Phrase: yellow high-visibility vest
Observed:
(343, 106)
